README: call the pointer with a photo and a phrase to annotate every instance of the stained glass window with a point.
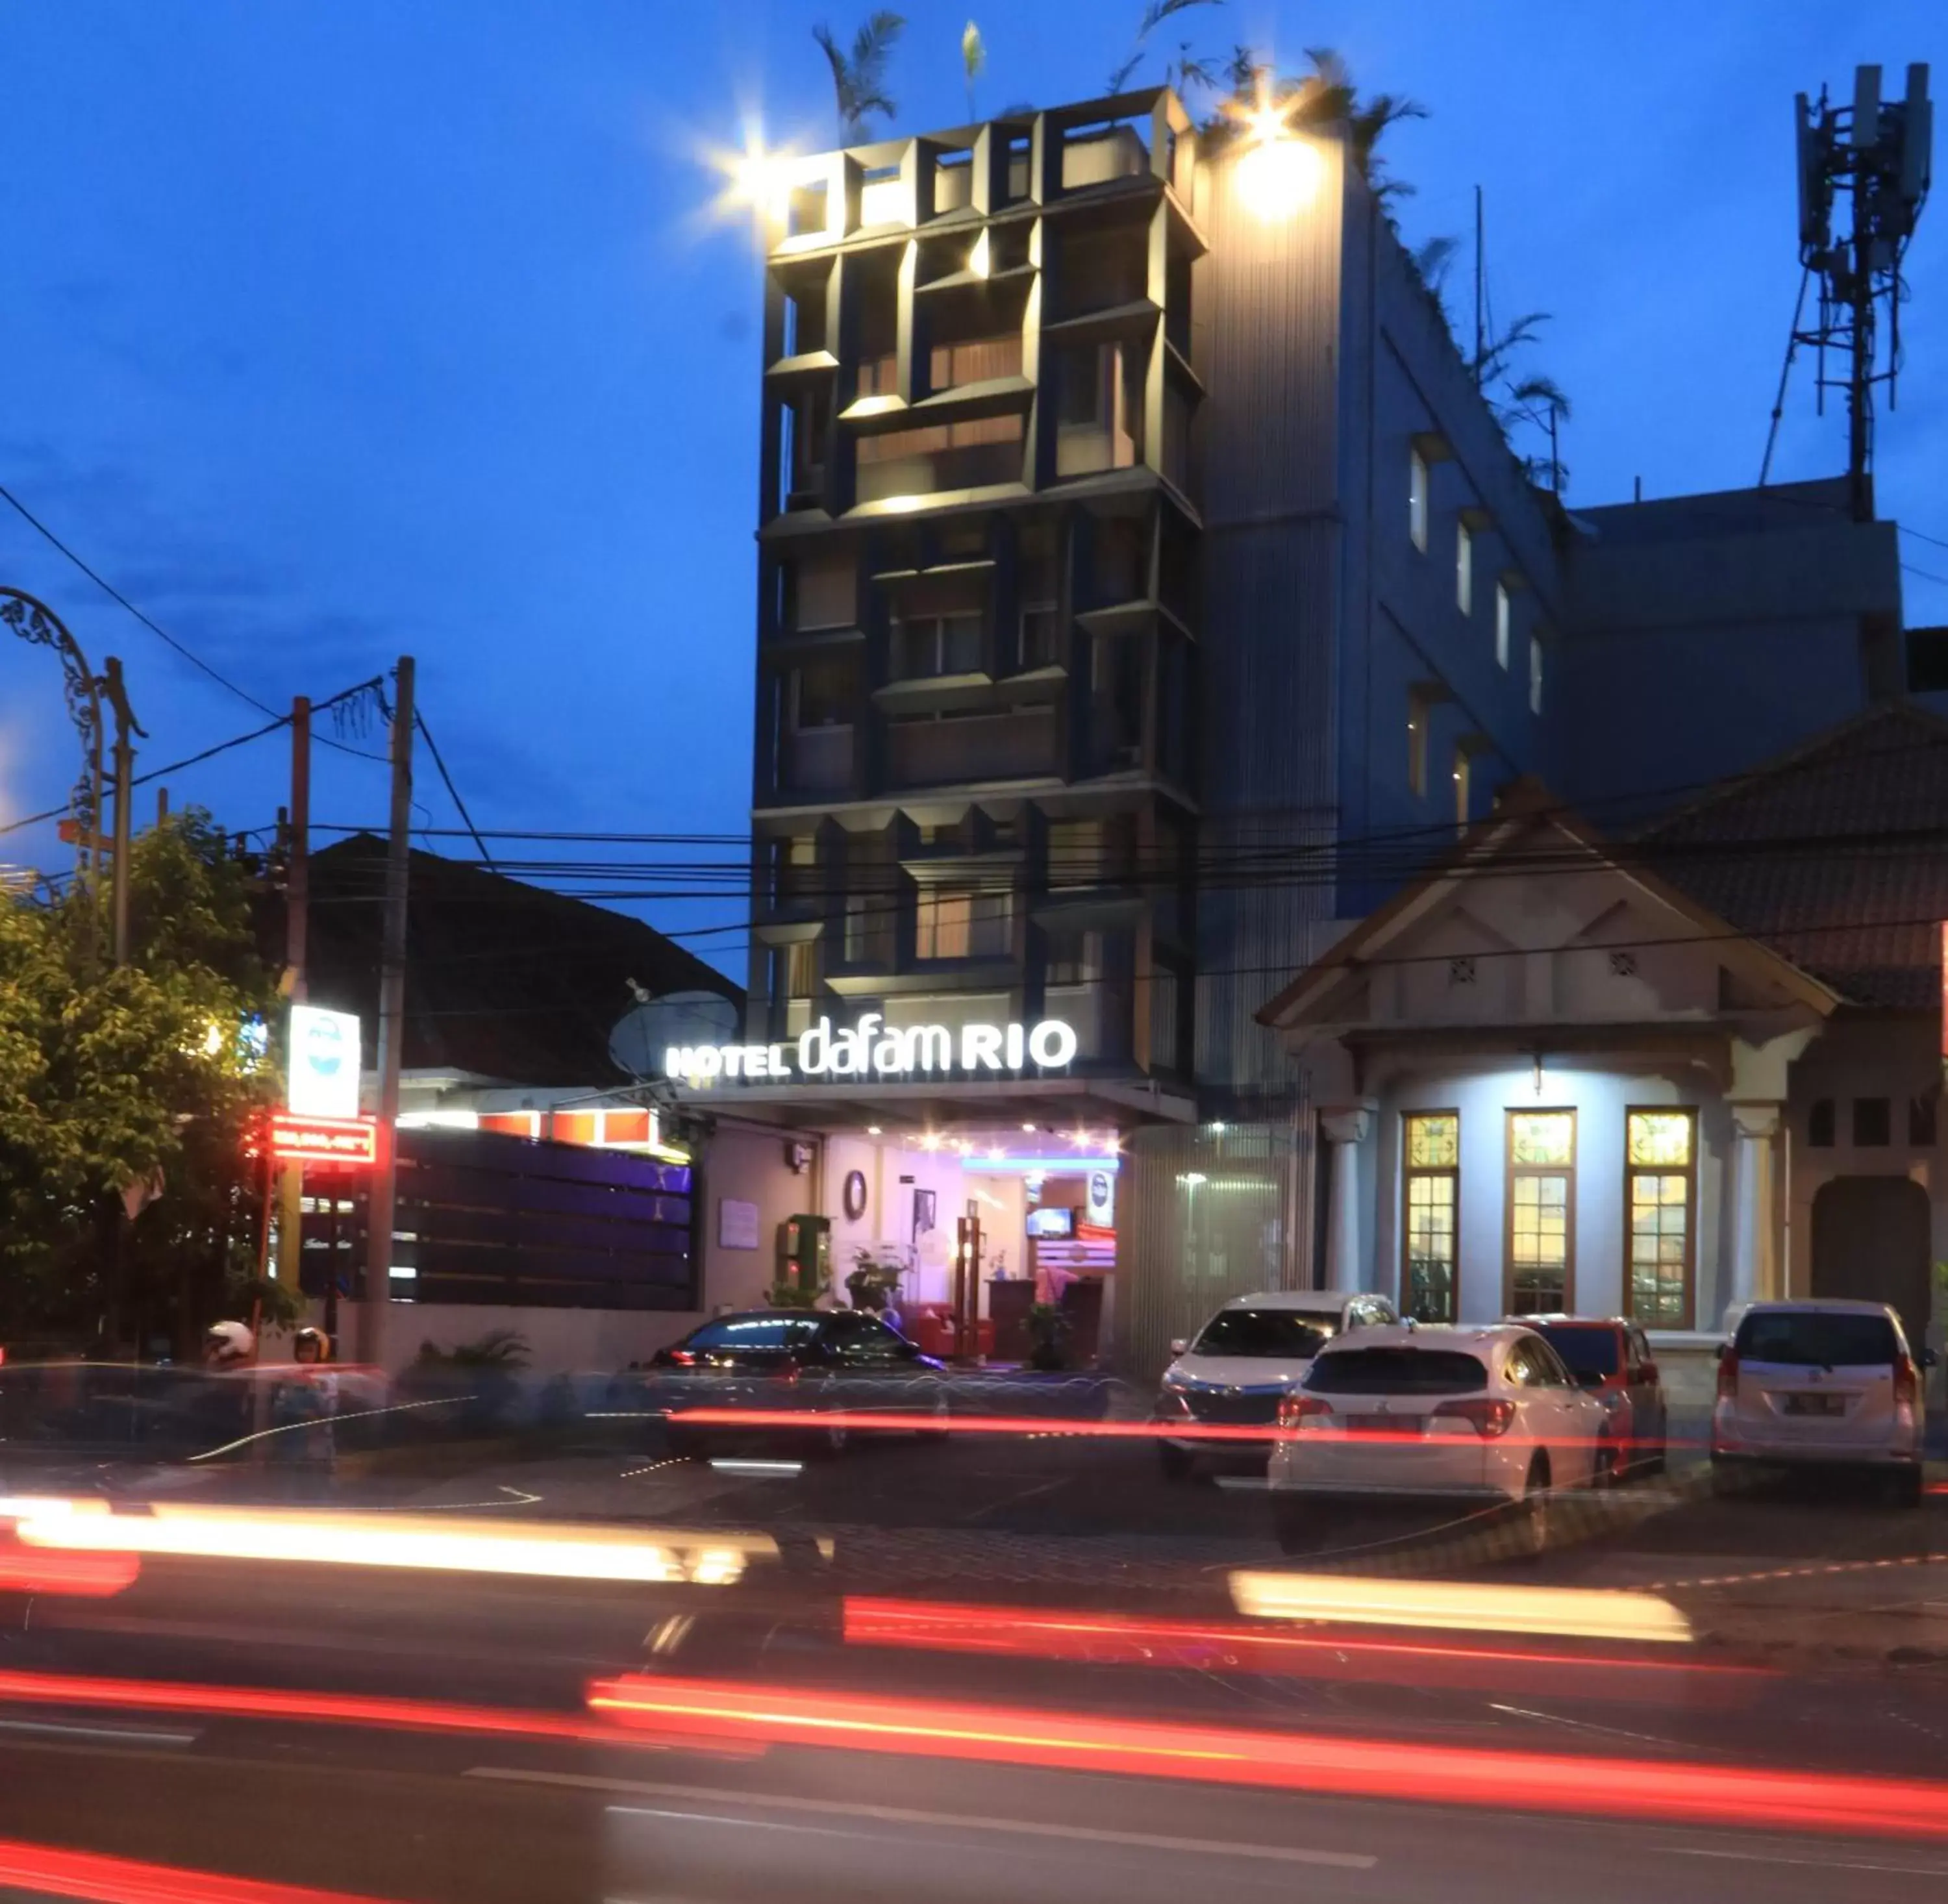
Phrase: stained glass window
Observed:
(1660, 1158)
(1542, 1136)
(1429, 1235)
(1541, 1210)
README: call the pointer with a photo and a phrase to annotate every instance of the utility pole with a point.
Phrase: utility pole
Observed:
(391, 1027)
(125, 794)
(297, 922)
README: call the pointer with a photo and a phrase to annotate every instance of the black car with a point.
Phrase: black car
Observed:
(813, 1361)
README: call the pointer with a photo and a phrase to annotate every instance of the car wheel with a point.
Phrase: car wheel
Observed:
(1906, 1486)
(1724, 1480)
(1301, 1530)
(1534, 1514)
(1177, 1463)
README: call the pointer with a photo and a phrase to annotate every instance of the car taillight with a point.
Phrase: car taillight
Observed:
(1490, 1418)
(1295, 1411)
(683, 1358)
(1728, 1375)
(1906, 1380)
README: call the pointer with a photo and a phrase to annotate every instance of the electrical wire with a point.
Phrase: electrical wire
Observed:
(453, 793)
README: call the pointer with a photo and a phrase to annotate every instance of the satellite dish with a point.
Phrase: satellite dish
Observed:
(647, 1030)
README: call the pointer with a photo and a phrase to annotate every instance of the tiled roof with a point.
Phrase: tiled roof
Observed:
(1836, 855)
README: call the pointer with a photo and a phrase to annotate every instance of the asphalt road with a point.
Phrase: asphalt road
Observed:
(388, 1812)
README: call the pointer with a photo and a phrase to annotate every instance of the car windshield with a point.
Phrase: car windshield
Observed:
(1816, 1338)
(1588, 1351)
(1266, 1332)
(1397, 1371)
(753, 1332)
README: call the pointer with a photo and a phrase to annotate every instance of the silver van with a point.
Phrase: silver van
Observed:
(1817, 1384)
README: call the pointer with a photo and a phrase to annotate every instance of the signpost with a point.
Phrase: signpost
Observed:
(321, 1125)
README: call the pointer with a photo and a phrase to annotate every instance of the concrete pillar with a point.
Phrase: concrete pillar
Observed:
(1754, 1257)
(1345, 1126)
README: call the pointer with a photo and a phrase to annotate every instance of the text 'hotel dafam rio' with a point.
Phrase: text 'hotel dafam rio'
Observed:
(872, 1048)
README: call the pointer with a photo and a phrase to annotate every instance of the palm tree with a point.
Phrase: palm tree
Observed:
(859, 77)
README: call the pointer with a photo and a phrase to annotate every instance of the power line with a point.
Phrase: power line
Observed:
(453, 793)
(115, 594)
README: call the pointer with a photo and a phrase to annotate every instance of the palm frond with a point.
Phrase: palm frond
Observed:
(1158, 11)
(1120, 77)
(1537, 391)
(1434, 260)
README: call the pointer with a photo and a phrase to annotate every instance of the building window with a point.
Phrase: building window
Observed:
(801, 969)
(1417, 725)
(1541, 1253)
(1661, 1170)
(1416, 500)
(823, 693)
(1921, 1122)
(858, 933)
(1075, 959)
(1820, 1124)
(930, 646)
(957, 923)
(1535, 673)
(1873, 1123)
(1430, 1209)
(1464, 567)
(1464, 790)
(1504, 623)
(1041, 629)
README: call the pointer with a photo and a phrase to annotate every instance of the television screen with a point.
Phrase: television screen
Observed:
(1052, 1222)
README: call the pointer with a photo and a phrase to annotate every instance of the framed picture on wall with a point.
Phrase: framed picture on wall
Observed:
(925, 1212)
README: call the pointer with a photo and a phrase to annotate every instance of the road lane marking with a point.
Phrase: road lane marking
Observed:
(1818, 1864)
(899, 1815)
(113, 1734)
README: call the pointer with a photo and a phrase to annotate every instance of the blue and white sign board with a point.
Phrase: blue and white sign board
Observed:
(324, 1062)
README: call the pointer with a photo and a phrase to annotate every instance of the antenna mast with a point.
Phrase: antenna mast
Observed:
(1876, 158)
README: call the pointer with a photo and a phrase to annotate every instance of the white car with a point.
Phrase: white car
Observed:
(1244, 1360)
(1486, 1418)
(1820, 1383)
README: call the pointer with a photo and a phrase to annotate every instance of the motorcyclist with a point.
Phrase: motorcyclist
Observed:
(303, 1440)
(228, 1345)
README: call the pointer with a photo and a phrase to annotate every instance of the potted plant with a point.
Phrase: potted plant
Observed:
(1048, 1336)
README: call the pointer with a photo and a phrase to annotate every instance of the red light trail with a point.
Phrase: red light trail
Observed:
(1494, 1779)
(54, 1871)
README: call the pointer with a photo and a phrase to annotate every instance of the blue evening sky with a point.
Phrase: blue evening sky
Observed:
(335, 329)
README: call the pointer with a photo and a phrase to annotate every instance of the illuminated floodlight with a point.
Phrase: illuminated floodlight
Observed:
(1279, 176)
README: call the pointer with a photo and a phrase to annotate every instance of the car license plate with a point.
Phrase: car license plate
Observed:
(1815, 1404)
(1382, 1425)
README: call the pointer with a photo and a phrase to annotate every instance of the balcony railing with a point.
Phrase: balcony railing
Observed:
(975, 747)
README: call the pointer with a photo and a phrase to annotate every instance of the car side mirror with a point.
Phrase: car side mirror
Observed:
(1722, 1350)
(1178, 1344)
(1928, 1358)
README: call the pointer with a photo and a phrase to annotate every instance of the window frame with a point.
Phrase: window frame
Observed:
(1419, 722)
(1000, 899)
(1464, 567)
(1410, 1173)
(1511, 1172)
(1688, 1314)
(1535, 672)
(1505, 622)
(1419, 499)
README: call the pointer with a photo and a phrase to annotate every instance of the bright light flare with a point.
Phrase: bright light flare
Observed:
(1572, 1612)
(1279, 176)
(423, 1541)
(1493, 1780)
(80, 1577)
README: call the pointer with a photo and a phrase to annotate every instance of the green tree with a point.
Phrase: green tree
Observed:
(859, 76)
(150, 1074)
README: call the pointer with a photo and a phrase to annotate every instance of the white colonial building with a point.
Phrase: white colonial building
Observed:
(1657, 1077)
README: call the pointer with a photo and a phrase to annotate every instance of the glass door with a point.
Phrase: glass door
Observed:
(1541, 1250)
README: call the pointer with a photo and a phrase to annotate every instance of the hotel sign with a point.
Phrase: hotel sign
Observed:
(873, 1049)
(295, 1139)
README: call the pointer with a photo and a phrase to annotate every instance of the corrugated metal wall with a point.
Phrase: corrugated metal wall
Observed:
(1203, 1214)
(1267, 308)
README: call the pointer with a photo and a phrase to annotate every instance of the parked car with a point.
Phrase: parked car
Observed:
(1243, 1361)
(1821, 1383)
(1610, 1358)
(819, 1361)
(1483, 1418)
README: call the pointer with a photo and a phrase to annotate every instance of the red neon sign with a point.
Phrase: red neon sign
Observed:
(352, 1141)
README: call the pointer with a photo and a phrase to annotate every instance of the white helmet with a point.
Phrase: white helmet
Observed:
(227, 1342)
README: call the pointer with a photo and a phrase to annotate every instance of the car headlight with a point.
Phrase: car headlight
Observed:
(1173, 1383)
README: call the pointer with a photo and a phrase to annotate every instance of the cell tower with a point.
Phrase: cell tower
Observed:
(1874, 156)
